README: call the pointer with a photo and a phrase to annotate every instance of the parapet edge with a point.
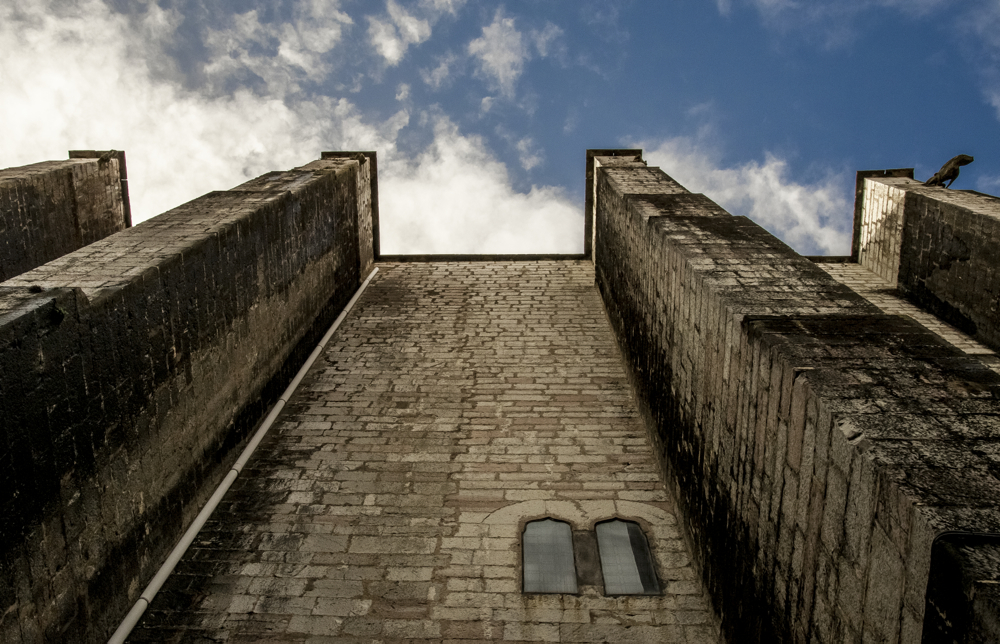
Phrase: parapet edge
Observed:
(372, 156)
(588, 208)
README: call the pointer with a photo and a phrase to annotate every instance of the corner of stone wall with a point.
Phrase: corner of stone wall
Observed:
(53, 208)
(118, 156)
(368, 215)
(937, 246)
(592, 164)
(817, 446)
(859, 200)
(127, 381)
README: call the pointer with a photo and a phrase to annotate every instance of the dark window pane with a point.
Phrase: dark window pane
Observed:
(548, 558)
(626, 562)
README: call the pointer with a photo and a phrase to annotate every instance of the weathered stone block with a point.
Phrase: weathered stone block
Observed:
(146, 357)
(52, 208)
(855, 432)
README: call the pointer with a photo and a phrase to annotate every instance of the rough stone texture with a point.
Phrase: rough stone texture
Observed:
(947, 245)
(144, 360)
(456, 402)
(118, 155)
(367, 205)
(626, 156)
(871, 287)
(881, 229)
(963, 602)
(859, 203)
(815, 445)
(52, 208)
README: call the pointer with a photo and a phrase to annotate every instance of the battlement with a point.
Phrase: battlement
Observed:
(51, 208)
(131, 368)
(801, 448)
(937, 246)
(820, 448)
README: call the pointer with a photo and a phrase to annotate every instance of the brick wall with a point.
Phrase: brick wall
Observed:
(938, 247)
(817, 447)
(129, 370)
(52, 208)
(881, 229)
(457, 401)
(368, 204)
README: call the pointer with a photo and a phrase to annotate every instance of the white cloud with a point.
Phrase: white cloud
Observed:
(457, 198)
(973, 26)
(529, 153)
(281, 54)
(813, 218)
(393, 34)
(834, 23)
(838, 7)
(443, 6)
(402, 92)
(993, 96)
(546, 40)
(983, 19)
(500, 53)
(81, 78)
(441, 74)
(572, 120)
(989, 185)
(980, 25)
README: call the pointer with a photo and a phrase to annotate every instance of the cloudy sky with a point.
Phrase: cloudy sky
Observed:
(481, 112)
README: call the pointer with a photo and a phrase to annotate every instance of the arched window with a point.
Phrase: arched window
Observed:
(547, 547)
(626, 562)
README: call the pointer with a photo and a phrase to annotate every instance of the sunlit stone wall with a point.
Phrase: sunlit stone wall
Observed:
(940, 247)
(817, 447)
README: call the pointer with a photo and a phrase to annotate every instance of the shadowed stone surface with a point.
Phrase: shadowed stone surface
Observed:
(132, 368)
(939, 247)
(816, 446)
(456, 402)
(52, 208)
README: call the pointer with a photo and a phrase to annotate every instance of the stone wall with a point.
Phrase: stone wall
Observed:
(131, 368)
(52, 208)
(457, 402)
(817, 447)
(950, 259)
(368, 204)
(938, 247)
(881, 229)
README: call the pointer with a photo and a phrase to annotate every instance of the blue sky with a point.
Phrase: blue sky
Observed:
(481, 112)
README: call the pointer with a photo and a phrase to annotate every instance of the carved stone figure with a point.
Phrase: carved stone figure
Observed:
(949, 171)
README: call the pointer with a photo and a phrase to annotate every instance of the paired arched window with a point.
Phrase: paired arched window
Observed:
(548, 557)
(626, 563)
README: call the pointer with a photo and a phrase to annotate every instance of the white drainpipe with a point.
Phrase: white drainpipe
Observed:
(134, 615)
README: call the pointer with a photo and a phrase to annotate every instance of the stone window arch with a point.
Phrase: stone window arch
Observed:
(547, 557)
(626, 561)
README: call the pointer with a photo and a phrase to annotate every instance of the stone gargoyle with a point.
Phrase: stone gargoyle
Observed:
(949, 171)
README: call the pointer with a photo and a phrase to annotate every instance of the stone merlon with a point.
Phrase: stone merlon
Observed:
(817, 446)
(52, 208)
(940, 247)
(131, 368)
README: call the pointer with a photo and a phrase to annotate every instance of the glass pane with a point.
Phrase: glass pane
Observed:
(625, 559)
(548, 558)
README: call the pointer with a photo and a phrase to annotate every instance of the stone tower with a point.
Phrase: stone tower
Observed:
(688, 433)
